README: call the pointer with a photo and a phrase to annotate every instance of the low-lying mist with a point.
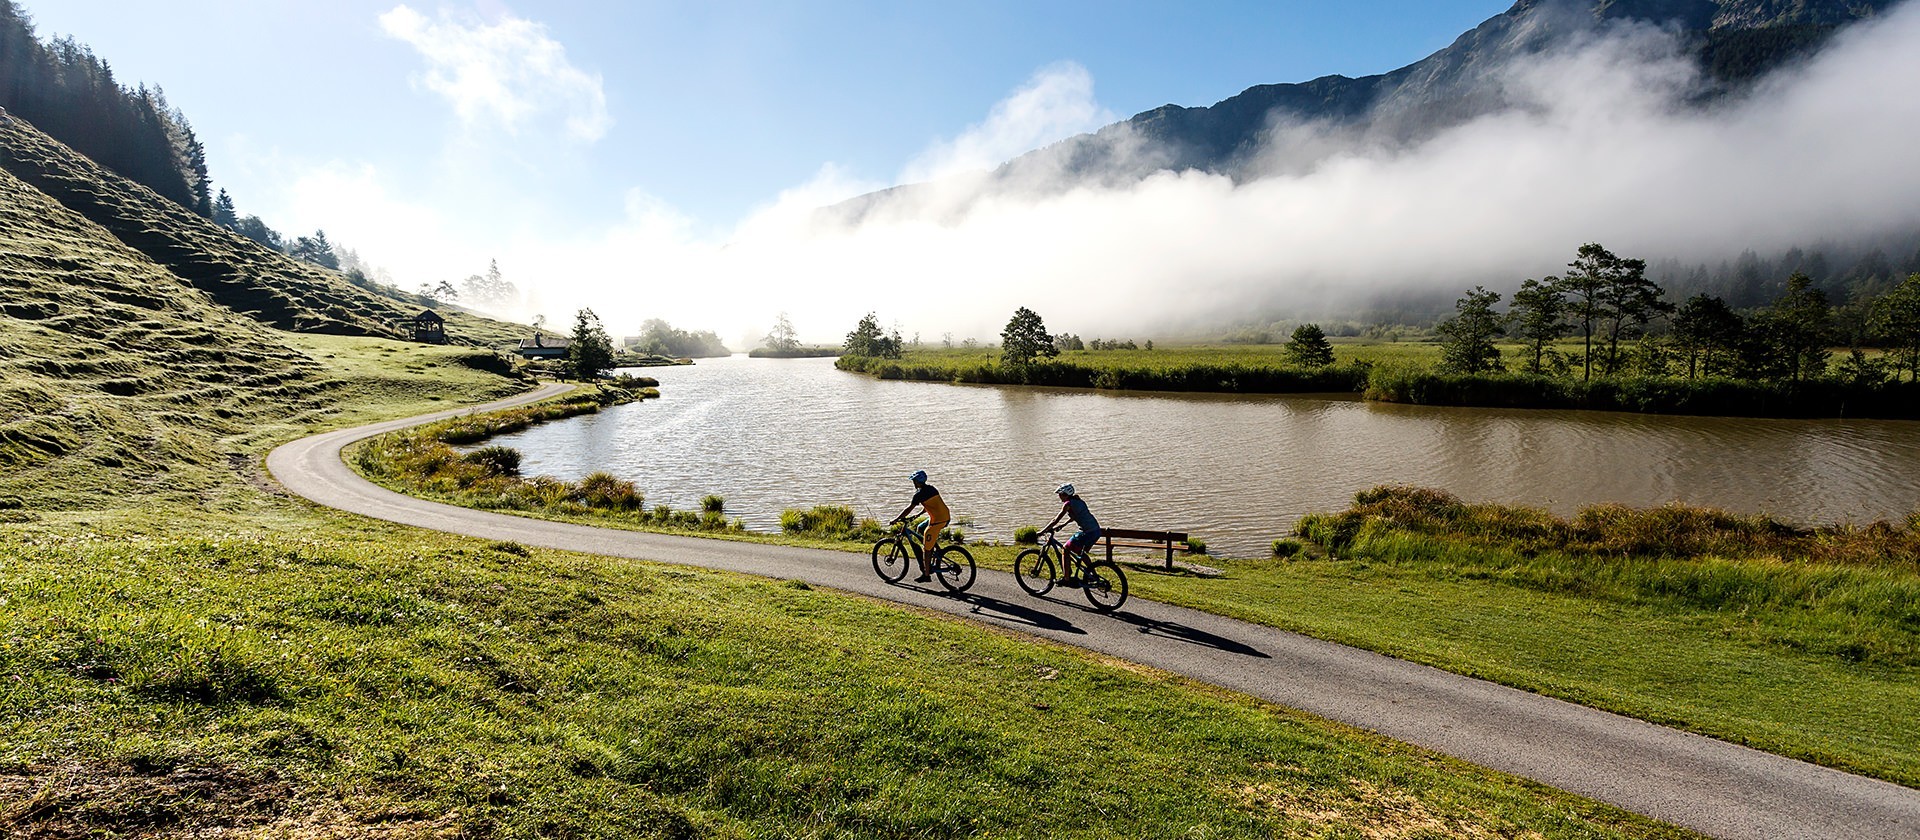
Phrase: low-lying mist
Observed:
(1601, 143)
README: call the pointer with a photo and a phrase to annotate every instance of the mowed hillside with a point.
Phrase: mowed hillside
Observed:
(125, 379)
(236, 272)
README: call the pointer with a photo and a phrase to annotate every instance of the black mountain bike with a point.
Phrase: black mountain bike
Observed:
(1038, 571)
(899, 552)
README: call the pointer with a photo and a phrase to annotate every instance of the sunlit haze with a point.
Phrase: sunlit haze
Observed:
(656, 160)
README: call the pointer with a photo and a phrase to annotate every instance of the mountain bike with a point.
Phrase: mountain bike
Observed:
(899, 552)
(1100, 580)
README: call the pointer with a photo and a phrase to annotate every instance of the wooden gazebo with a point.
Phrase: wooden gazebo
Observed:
(429, 327)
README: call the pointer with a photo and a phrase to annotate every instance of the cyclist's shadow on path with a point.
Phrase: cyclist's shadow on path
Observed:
(1040, 620)
(1182, 633)
(1029, 616)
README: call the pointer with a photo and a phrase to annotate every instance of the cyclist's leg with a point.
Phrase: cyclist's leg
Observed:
(1075, 557)
(931, 542)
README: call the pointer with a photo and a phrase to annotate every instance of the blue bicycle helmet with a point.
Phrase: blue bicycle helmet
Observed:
(919, 476)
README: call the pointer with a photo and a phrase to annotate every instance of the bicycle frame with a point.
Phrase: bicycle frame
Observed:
(1105, 590)
(916, 528)
(1069, 561)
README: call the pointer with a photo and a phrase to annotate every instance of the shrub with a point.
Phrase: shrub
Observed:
(713, 504)
(496, 460)
(1026, 535)
(835, 522)
(604, 491)
(1286, 548)
(1195, 545)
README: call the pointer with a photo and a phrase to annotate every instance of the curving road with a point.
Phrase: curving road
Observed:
(1713, 787)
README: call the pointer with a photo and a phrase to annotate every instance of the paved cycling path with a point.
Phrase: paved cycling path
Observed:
(1710, 786)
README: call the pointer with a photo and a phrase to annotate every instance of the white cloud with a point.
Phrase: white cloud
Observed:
(1055, 104)
(1600, 149)
(505, 74)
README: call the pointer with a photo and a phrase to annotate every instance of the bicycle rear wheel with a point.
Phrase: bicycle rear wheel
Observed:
(891, 559)
(1105, 585)
(954, 567)
(1034, 570)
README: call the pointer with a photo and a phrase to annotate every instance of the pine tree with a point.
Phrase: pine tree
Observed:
(223, 213)
(1896, 323)
(1309, 346)
(591, 352)
(868, 340)
(1706, 330)
(1537, 316)
(1025, 338)
(782, 337)
(1467, 337)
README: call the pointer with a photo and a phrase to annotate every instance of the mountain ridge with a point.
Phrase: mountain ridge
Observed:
(1733, 41)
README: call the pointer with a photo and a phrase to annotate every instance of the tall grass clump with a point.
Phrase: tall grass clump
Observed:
(832, 522)
(1848, 591)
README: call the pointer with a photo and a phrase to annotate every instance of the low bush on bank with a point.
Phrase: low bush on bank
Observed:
(422, 461)
(1847, 591)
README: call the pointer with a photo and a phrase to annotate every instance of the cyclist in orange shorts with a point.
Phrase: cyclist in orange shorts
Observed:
(927, 498)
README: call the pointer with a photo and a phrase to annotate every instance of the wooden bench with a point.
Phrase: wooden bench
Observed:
(1164, 540)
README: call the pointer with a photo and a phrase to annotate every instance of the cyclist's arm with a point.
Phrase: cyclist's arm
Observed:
(906, 510)
(1056, 520)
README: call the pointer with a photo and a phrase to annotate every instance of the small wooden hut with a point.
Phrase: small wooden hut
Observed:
(429, 327)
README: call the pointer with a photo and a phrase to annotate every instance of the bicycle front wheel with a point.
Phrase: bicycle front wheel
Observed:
(1033, 569)
(954, 566)
(1105, 585)
(891, 559)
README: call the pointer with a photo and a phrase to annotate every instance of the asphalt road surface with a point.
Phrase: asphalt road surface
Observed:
(1711, 786)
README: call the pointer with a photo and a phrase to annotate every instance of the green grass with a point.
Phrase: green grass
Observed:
(408, 677)
(1799, 642)
(229, 659)
(1404, 372)
(1738, 677)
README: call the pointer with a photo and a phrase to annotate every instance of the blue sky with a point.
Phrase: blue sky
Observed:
(659, 160)
(710, 107)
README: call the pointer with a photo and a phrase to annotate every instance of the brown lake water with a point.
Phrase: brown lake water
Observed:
(770, 434)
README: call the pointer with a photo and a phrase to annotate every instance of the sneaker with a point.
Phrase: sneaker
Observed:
(923, 579)
(1070, 582)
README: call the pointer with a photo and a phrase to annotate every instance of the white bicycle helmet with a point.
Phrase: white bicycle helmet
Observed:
(1065, 490)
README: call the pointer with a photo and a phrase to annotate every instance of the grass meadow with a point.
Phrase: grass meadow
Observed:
(228, 661)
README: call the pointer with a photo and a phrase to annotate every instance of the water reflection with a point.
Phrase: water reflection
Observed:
(773, 434)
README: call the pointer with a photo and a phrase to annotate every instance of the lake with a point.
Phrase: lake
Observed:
(771, 434)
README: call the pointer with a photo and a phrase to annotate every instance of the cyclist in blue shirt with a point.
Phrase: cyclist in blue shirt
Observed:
(1075, 508)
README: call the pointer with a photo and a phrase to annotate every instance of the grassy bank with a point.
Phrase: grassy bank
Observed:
(1646, 394)
(1402, 372)
(264, 668)
(1189, 369)
(1803, 642)
(422, 461)
(796, 353)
